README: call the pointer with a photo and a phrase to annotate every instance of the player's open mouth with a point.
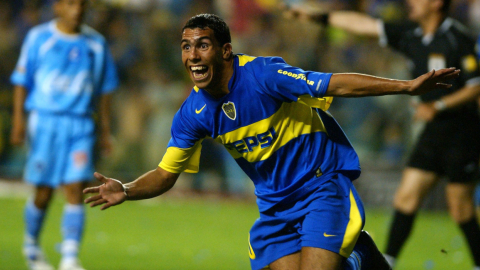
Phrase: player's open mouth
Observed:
(199, 72)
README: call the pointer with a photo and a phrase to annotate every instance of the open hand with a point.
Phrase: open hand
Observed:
(110, 193)
(434, 79)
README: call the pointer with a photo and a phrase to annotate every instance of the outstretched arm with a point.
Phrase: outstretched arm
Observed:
(427, 111)
(351, 21)
(113, 192)
(360, 85)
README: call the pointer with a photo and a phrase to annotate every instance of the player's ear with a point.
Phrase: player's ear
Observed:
(227, 51)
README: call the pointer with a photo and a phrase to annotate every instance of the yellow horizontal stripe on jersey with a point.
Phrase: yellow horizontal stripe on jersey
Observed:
(289, 122)
(314, 102)
(177, 160)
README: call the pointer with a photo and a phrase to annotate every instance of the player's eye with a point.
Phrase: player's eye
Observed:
(186, 47)
(204, 46)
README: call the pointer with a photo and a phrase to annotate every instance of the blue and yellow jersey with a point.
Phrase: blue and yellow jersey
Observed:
(273, 122)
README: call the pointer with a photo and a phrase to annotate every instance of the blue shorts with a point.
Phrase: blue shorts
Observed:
(327, 214)
(60, 149)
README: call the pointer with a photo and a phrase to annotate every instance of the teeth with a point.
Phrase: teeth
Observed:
(194, 68)
(199, 76)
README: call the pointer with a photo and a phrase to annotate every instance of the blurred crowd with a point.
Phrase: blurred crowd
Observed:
(144, 37)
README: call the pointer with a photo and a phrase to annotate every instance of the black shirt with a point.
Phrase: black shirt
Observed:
(451, 46)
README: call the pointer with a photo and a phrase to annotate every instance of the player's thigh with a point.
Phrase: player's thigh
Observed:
(289, 262)
(42, 163)
(414, 185)
(275, 238)
(335, 218)
(320, 259)
(460, 201)
(330, 218)
(80, 155)
(308, 259)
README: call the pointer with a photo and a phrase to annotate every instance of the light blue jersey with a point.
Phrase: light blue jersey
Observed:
(63, 73)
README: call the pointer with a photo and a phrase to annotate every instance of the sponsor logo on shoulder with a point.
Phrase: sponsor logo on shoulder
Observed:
(296, 76)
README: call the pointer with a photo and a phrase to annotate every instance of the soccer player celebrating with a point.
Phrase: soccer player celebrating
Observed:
(64, 67)
(272, 119)
(449, 144)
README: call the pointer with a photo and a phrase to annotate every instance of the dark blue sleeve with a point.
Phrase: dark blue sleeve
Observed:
(286, 82)
(185, 132)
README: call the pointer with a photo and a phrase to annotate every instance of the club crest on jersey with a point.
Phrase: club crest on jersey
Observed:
(229, 110)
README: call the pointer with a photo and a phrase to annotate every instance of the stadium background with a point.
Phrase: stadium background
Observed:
(144, 38)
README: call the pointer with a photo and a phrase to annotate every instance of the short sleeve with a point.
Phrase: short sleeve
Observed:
(25, 68)
(289, 83)
(183, 150)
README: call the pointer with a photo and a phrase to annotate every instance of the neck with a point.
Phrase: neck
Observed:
(221, 88)
(431, 23)
(67, 28)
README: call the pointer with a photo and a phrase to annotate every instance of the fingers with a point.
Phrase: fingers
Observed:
(91, 190)
(93, 198)
(447, 72)
(452, 75)
(98, 202)
(443, 85)
(100, 177)
(107, 205)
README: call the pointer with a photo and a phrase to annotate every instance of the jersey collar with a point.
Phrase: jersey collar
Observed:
(54, 28)
(427, 39)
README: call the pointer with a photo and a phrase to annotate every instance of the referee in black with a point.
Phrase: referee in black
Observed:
(449, 145)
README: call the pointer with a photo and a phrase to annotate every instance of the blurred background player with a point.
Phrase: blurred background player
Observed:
(448, 145)
(64, 69)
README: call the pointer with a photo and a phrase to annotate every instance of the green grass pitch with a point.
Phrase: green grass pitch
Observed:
(195, 233)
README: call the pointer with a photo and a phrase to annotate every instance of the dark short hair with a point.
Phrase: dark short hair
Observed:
(446, 6)
(219, 27)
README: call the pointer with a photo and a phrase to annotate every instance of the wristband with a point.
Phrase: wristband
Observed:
(125, 190)
(321, 18)
(439, 105)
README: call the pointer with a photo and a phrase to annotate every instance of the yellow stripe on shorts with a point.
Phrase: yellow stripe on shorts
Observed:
(353, 228)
